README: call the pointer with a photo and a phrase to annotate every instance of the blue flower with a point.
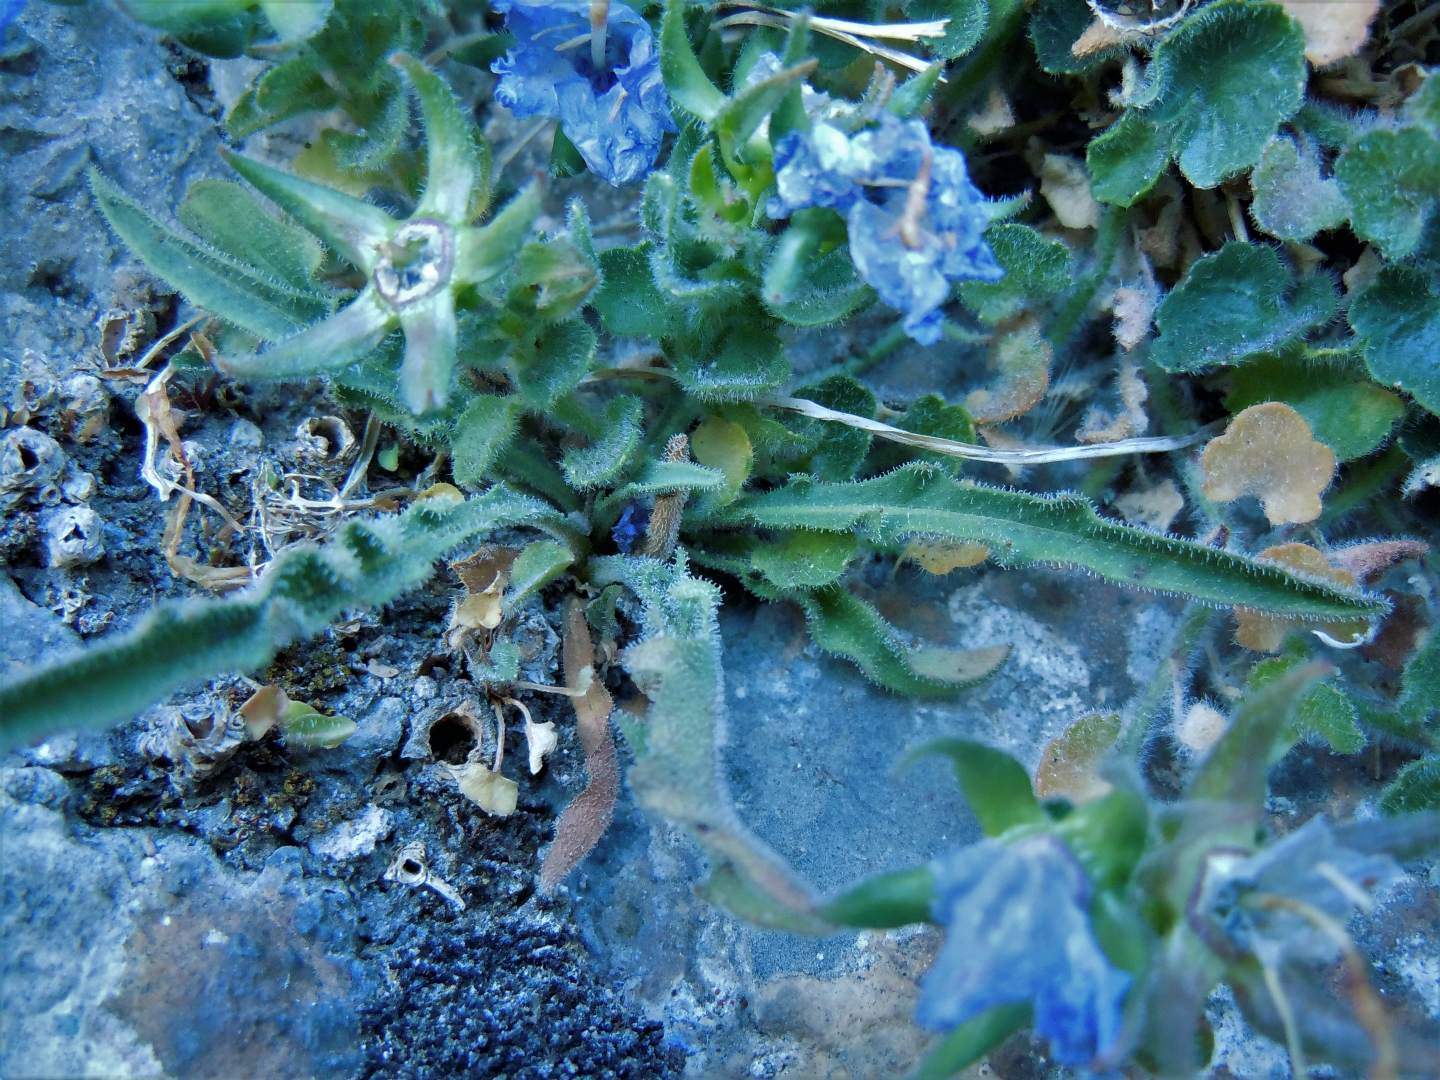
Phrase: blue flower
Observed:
(8, 10)
(630, 529)
(615, 115)
(1017, 930)
(916, 222)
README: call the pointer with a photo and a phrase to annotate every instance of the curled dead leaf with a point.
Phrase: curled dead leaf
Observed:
(1129, 421)
(940, 557)
(1268, 451)
(1065, 185)
(540, 739)
(1156, 507)
(489, 790)
(263, 710)
(1070, 763)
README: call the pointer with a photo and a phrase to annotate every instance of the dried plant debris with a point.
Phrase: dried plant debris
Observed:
(585, 820)
(1022, 359)
(1268, 451)
(1070, 763)
(1333, 31)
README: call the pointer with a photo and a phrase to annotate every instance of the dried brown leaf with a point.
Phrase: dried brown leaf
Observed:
(1022, 358)
(1065, 185)
(263, 710)
(940, 557)
(585, 820)
(1157, 506)
(1334, 29)
(489, 790)
(1070, 762)
(1368, 561)
(994, 116)
(1269, 452)
(1134, 308)
(1129, 422)
(1098, 36)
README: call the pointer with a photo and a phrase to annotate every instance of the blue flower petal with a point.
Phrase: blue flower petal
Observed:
(1017, 929)
(868, 177)
(616, 117)
(630, 528)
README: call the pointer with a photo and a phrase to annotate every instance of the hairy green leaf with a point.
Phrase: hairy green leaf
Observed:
(1391, 179)
(1234, 304)
(609, 455)
(1063, 530)
(241, 294)
(885, 901)
(1416, 788)
(365, 564)
(1035, 269)
(558, 363)
(1398, 320)
(481, 434)
(686, 80)
(678, 773)
(1127, 160)
(231, 219)
(1228, 76)
(1055, 27)
(996, 786)
(1292, 199)
(804, 560)
(847, 626)
(627, 301)
(538, 564)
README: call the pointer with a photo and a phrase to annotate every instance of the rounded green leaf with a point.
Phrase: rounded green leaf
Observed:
(1234, 304)
(1292, 200)
(1127, 160)
(1398, 319)
(1228, 77)
(1391, 179)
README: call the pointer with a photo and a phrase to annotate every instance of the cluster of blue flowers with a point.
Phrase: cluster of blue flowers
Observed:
(916, 221)
(1018, 929)
(615, 114)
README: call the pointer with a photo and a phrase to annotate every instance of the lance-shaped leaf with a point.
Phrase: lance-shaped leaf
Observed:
(332, 343)
(482, 432)
(686, 80)
(452, 162)
(847, 626)
(355, 230)
(609, 454)
(236, 292)
(677, 772)
(430, 332)
(233, 220)
(661, 477)
(483, 253)
(1061, 530)
(743, 114)
(996, 786)
(367, 563)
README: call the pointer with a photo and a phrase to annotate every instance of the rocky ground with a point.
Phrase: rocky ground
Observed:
(240, 923)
